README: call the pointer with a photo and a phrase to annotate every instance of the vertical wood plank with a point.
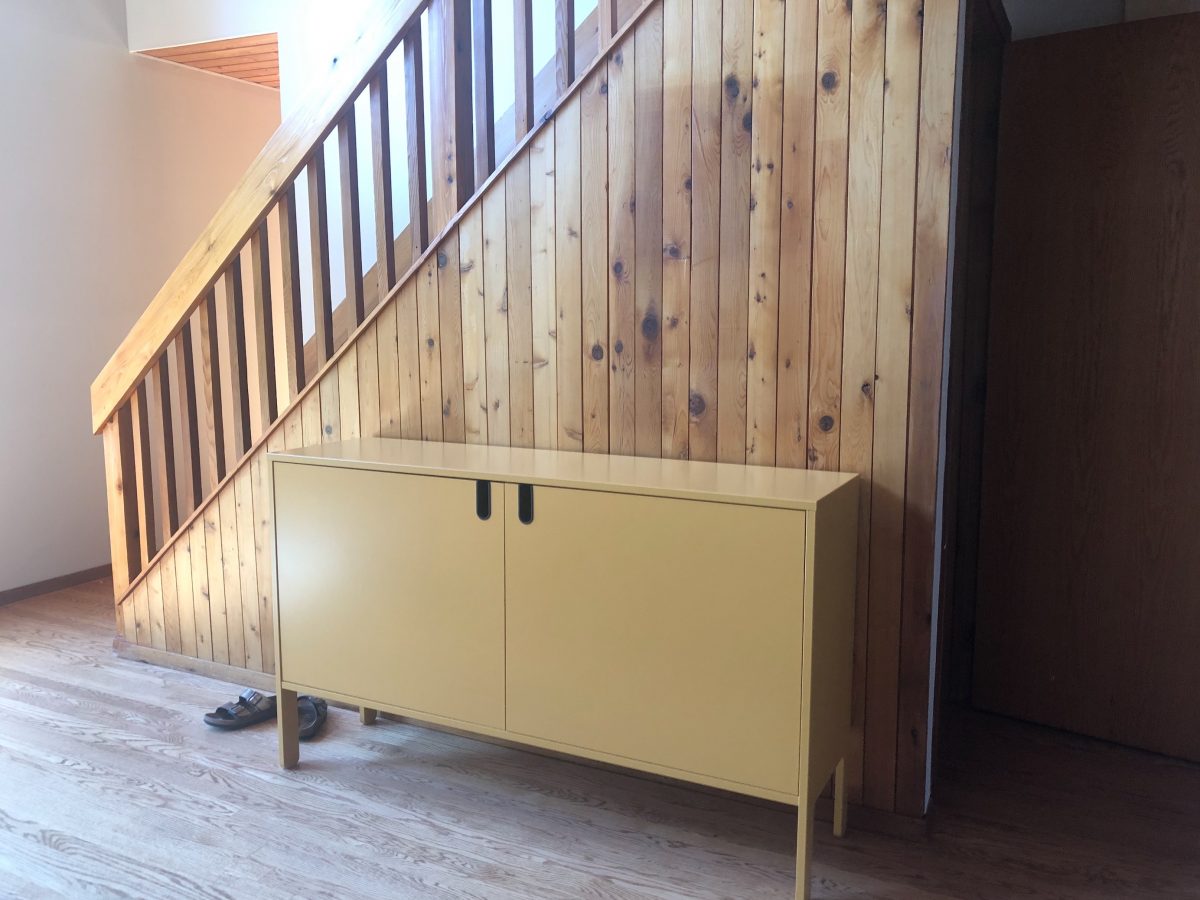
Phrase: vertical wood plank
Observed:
(564, 44)
(474, 313)
(648, 228)
(381, 161)
(859, 337)
(293, 317)
(414, 102)
(331, 407)
(247, 568)
(485, 102)
(430, 357)
(408, 354)
(262, 538)
(450, 95)
(520, 303)
(201, 595)
(265, 391)
(795, 234)
(523, 61)
(318, 229)
(141, 613)
(232, 576)
(766, 138)
(622, 243)
(450, 326)
(544, 313)
(901, 103)
(170, 600)
(732, 301)
(310, 417)
(166, 462)
(495, 320)
(218, 613)
(156, 614)
(368, 381)
(181, 429)
(568, 275)
(707, 106)
(939, 47)
(348, 401)
(147, 533)
(593, 247)
(185, 596)
(388, 369)
(829, 234)
(677, 226)
(347, 138)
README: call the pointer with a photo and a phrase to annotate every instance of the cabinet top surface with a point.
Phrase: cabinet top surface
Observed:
(729, 483)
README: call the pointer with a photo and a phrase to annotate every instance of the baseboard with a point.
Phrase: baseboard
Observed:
(260, 681)
(860, 818)
(50, 585)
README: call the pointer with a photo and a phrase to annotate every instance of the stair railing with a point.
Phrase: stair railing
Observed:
(220, 353)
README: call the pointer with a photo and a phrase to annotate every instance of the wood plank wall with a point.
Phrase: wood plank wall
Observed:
(730, 243)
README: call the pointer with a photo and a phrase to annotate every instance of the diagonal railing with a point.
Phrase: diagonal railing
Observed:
(221, 351)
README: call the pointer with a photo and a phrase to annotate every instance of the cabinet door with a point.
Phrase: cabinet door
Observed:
(659, 630)
(391, 589)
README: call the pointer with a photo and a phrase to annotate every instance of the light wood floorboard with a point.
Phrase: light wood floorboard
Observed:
(111, 786)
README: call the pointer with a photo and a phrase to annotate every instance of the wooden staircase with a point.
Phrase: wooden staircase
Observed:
(699, 233)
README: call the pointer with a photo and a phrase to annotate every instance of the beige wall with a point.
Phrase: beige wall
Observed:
(112, 165)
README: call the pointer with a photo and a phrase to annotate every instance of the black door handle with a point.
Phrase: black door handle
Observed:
(525, 503)
(483, 499)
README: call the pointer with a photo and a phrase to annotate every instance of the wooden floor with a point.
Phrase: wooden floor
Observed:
(110, 785)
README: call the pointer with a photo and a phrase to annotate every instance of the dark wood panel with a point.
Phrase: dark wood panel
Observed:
(1090, 554)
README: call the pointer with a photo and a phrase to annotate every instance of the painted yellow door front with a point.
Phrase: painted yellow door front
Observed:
(655, 629)
(391, 588)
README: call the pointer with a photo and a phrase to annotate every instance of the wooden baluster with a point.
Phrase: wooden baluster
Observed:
(381, 159)
(266, 390)
(139, 409)
(450, 86)
(121, 480)
(233, 361)
(293, 320)
(165, 461)
(606, 15)
(485, 95)
(414, 89)
(347, 133)
(185, 378)
(523, 60)
(210, 391)
(180, 438)
(318, 219)
(564, 44)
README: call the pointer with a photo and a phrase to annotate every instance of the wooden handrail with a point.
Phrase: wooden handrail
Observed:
(268, 177)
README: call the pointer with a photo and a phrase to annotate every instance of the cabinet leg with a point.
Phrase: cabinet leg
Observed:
(287, 719)
(366, 715)
(805, 816)
(839, 799)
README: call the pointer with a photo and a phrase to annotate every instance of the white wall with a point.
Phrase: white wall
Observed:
(113, 164)
(171, 23)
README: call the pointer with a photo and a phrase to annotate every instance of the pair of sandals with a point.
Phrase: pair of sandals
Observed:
(251, 707)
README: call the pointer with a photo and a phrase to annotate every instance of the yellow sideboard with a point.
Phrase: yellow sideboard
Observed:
(683, 618)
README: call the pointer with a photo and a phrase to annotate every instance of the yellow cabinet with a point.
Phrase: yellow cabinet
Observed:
(683, 618)
(391, 590)
(659, 630)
